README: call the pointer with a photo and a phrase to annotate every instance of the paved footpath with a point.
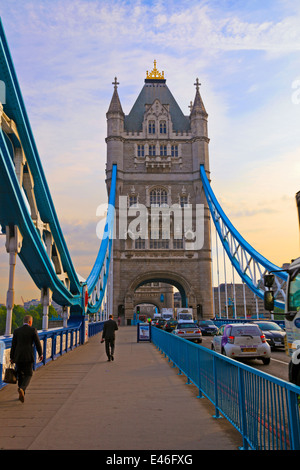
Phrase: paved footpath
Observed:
(137, 402)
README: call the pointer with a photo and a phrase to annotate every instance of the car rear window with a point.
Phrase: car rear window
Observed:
(252, 330)
(187, 325)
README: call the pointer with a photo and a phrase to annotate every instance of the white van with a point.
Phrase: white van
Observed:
(185, 315)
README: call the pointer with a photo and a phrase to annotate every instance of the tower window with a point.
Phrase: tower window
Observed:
(162, 127)
(158, 197)
(163, 150)
(183, 201)
(151, 150)
(178, 244)
(151, 127)
(140, 151)
(139, 244)
(132, 201)
(174, 150)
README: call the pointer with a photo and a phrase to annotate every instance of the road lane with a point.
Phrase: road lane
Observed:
(278, 366)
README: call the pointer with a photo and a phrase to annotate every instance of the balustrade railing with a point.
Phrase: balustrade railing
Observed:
(264, 409)
(55, 343)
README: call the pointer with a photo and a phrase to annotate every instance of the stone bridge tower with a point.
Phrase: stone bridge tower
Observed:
(158, 151)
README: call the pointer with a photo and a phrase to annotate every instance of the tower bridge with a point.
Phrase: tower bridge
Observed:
(161, 208)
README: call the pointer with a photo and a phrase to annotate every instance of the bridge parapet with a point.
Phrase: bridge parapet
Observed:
(55, 342)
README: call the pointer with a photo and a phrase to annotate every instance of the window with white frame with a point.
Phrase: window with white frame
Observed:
(158, 197)
(139, 243)
(178, 244)
(174, 150)
(183, 200)
(162, 127)
(163, 150)
(140, 151)
(133, 200)
(152, 150)
(151, 127)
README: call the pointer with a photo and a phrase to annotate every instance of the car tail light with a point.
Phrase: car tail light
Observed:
(231, 339)
(198, 331)
(180, 332)
(263, 338)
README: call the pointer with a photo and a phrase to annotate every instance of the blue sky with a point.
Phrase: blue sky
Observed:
(246, 55)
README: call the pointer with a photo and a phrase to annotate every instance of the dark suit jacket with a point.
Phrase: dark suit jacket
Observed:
(22, 344)
(109, 329)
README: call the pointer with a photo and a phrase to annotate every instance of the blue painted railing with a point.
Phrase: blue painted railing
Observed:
(261, 407)
(55, 343)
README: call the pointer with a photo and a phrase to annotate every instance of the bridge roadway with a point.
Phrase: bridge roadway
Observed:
(137, 402)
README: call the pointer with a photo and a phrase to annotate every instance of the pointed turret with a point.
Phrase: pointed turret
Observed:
(198, 120)
(115, 127)
(115, 115)
(115, 104)
(198, 106)
(198, 114)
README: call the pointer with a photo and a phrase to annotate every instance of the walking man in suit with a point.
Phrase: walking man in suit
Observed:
(21, 353)
(108, 334)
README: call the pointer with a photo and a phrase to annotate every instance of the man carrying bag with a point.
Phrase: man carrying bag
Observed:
(22, 353)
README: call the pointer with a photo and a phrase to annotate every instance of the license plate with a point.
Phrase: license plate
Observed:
(190, 332)
(248, 349)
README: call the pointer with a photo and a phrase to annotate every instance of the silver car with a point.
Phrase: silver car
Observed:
(189, 331)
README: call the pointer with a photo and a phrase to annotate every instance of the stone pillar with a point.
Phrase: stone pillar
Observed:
(46, 298)
(13, 247)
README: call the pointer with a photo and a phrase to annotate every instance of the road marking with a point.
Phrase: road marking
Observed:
(277, 360)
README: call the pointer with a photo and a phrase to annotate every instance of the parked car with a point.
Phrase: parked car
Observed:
(208, 327)
(160, 323)
(190, 331)
(242, 340)
(274, 334)
(170, 325)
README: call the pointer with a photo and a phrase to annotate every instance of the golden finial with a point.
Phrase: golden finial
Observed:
(155, 73)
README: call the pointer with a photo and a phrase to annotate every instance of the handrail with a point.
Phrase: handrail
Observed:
(263, 408)
(55, 343)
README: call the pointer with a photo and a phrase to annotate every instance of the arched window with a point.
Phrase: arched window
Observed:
(158, 197)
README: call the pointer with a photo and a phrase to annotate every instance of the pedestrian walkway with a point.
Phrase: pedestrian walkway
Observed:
(137, 402)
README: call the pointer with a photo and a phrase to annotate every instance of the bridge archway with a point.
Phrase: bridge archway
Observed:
(178, 281)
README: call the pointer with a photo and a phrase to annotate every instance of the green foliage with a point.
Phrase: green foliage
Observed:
(19, 313)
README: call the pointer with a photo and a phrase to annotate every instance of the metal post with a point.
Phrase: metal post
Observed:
(219, 295)
(234, 297)
(212, 275)
(245, 308)
(226, 295)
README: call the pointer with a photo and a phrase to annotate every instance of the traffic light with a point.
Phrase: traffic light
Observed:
(138, 310)
(269, 300)
(268, 280)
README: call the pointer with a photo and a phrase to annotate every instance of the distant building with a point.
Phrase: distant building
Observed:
(31, 303)
(240, 301)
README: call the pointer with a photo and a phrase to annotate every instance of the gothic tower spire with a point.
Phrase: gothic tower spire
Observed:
(115, 127)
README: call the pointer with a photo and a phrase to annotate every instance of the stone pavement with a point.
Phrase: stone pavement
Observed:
(137, 402)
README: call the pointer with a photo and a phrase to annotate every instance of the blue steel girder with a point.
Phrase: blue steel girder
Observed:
(97, 280)
(14, 108)
(48, 265)
(14, 211)
(249, 264)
